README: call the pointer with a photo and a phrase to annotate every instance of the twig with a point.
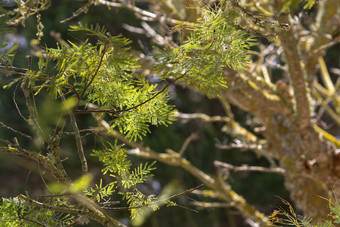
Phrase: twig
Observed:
(326, 46)
(30, 220)
(105, 127)
(207, 205)
(201, 116)
(249, 168)
(21, 71)
(240, 146)
(93, 76)
(40, 159)
(16, 104)
(133, 107)
(192, 137)
(49, 207)
(31, 109)
(134, 29)
(156, 202)
(148, 16)
(16, 131)
(206, 193)
(57, 36)
(81, 10)
(77, 136)
(270, 101)
(158, 39)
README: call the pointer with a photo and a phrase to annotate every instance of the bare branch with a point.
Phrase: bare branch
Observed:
(158, 202)
(80, 11)
(249, 168)
(16, 131)
(207, 205)
(192, 137)
(146, 15)
(173, 158)
(201, 116)
(61, 209)
(268, 100)
(77, 136)
(44, 161)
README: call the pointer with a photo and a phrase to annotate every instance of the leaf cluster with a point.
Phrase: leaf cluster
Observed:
(282, 217)
(119, 167)
(16, 212)
(212, 45)
(102, 74)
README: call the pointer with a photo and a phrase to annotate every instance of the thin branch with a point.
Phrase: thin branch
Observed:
(326, 78)
(93, 76)
(105, 128)
(134, 29)
(133, 107)
(248, 87)
(233, 128)
(33, 121)
(203, 117)
(242, 147)
(324, 47)
(57, 36)
(158, 39)
(147, 16)
(156, 202)
(39, 158)
(16, 131)
(77, 136)
(206, 193)
(324, 103)
(192, 137)
(16, 104)
(21, 71)
(208, 205)
(80, 11)
(61, 209)
(35, 222)
(249, 168)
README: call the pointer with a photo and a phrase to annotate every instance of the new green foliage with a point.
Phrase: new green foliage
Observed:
(119, 167)
(282, 217)
(212, 45)
(17, 212)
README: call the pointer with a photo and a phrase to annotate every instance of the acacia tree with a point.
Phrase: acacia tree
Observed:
(261, 57)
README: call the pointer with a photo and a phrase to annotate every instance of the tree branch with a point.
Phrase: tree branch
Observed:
(42, 160)
(148, 16)
(77, 136)
(192, 137)
(93, 76)
(270, 101)
(297, 76)
(174, 159)
(133, 107)
(249, 168)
